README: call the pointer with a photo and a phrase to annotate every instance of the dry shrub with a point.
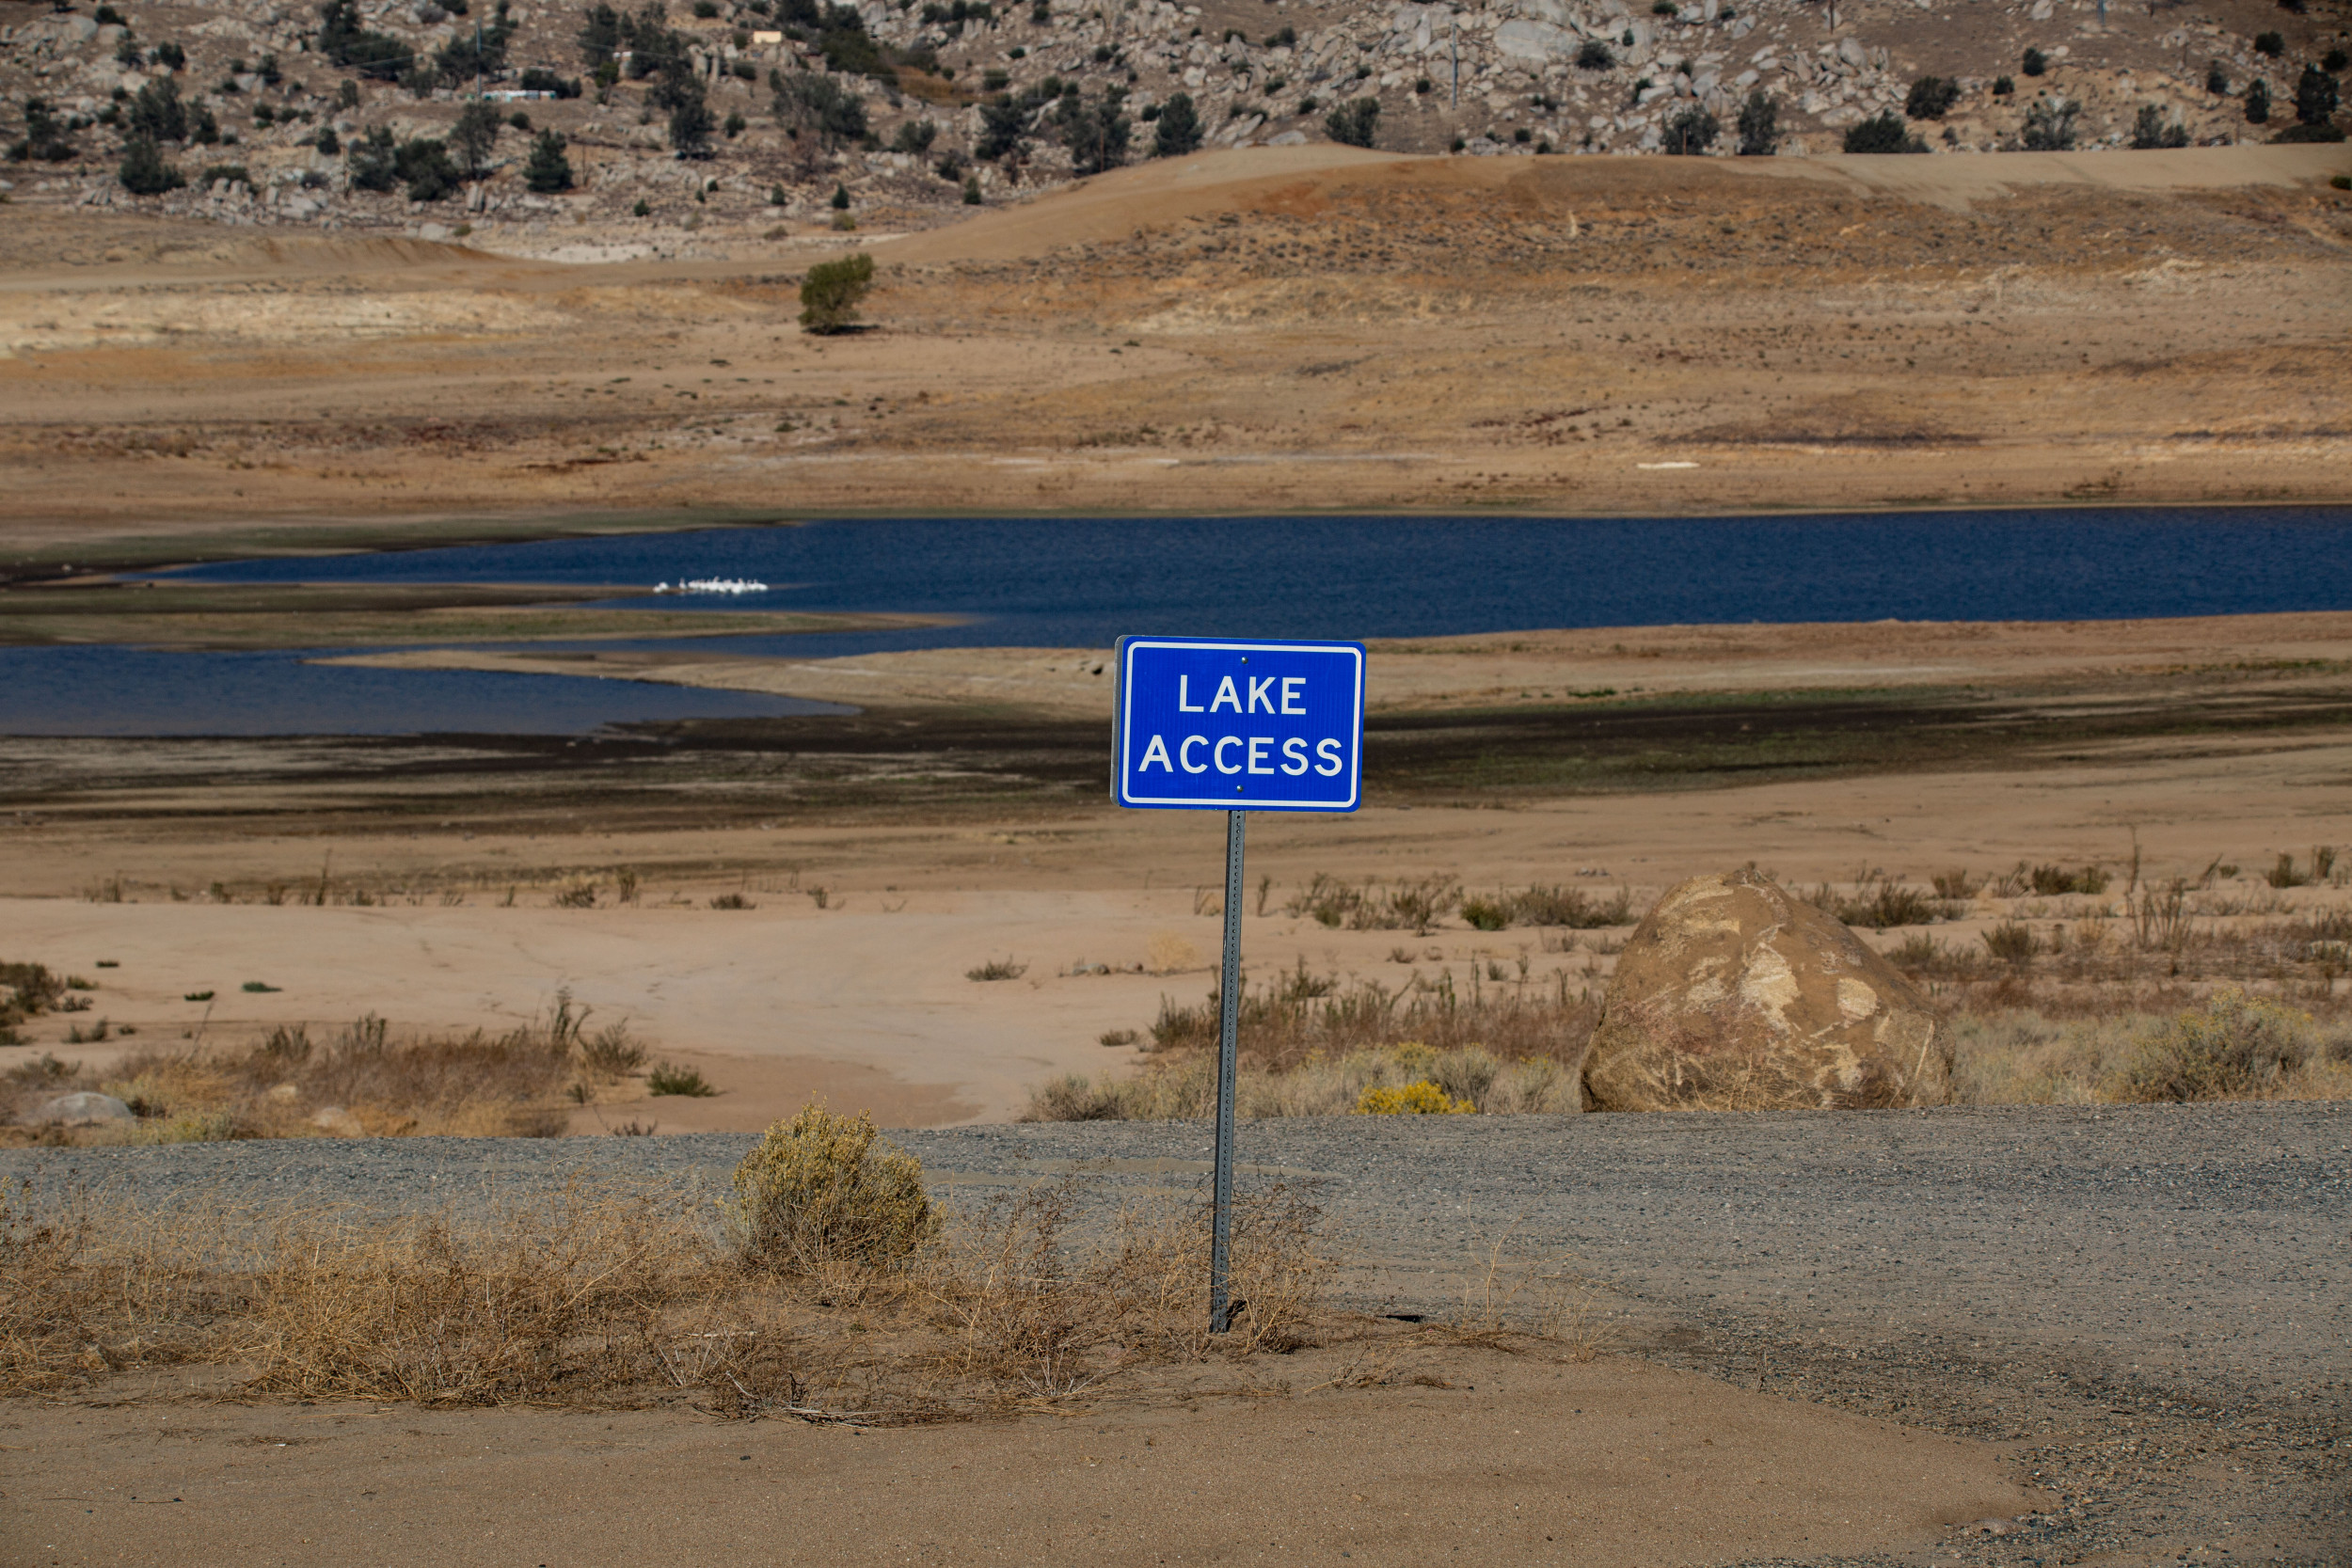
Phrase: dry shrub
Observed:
(824, 1192)
(1317, 1087)
(564, 1297)
(1299, 1015)
(2230, 1046)
(2234, 1047)
(598, 1298)
(363, 1080)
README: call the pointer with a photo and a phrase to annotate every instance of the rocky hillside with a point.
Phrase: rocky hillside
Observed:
(573, 130)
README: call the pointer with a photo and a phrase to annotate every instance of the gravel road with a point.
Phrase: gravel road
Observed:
(2146, 1304)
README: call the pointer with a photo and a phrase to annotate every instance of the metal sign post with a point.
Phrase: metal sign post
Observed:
(1209, 724)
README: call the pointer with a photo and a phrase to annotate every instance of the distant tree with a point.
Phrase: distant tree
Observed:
(2050, 125)
(2003, 86)
(474, 136)
(1691, 133)
(427, 170)
(549, 169)
(1593, 55)
(691, 122)
(914, 137)
(2035, 62)
(1932, 98)
(1883, 133)
(599, 36)
(2272, 44)
(971, 190)
(2216, 80)
(809, 100)
(1095, 131)
(1759, 125)
(344, 40)
(2152, 131)
(144, 170)
(1354, 123)
(2257, 102)
(156, 113)
(329, 143)
(1004, 124)
(830, 292)
(2317, 97)
(170, 55)
(1179, 128)
(374, 161)
(2335, 61)
(46, 139)
(482, 51)
(840, 202)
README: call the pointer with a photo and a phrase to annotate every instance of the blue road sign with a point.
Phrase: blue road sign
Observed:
(1213, 725)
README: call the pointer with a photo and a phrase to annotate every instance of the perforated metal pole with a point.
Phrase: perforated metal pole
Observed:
(1228, 1057)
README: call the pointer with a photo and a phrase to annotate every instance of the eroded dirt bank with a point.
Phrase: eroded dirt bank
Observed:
(1268, 329)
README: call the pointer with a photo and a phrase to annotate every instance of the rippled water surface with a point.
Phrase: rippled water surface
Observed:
(1085, 581)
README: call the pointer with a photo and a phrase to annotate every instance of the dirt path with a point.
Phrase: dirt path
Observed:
(2137, 1311)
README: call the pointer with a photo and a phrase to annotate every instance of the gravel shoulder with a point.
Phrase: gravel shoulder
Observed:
(2146, 1306)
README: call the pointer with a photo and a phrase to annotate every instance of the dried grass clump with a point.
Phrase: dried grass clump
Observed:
(362, 1081)
(595, 1298)
(2230, 1046)
(1318, 1086)
(2234, 1047)
(1299, 1015)
(824, 1192)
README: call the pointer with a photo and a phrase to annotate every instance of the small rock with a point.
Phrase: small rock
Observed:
(335, 1119)
(82, 1108)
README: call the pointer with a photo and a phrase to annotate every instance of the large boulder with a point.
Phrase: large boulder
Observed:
(1732, 995)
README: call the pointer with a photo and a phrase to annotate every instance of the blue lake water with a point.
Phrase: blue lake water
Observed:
(1086, 581)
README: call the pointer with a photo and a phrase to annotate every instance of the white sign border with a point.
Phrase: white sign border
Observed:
(1124, 725)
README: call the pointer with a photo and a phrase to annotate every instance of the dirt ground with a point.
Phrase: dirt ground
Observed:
(1493, 1459)
(1268, 329)
(873, 894)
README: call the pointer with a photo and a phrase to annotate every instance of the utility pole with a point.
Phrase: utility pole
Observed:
(1458, 59)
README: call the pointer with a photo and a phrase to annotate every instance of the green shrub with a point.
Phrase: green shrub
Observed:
(549, 169)
(2151, 131)
(2050, 125)
(824, 1190)
(830, 291)
(2216, 80)
(1177, 130)
(1486, 914)
(1883, 133)
(1354, 123)
(1593, 55)
(1932, 98)
(1690, 132)
(997, 968)
(2035, 63)
(2272, 44)
(2317, 97)
(1759, 125)
(2233, 1046)
(234, 174)
(2003, 86)
(144, 170)
(2257, 102)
